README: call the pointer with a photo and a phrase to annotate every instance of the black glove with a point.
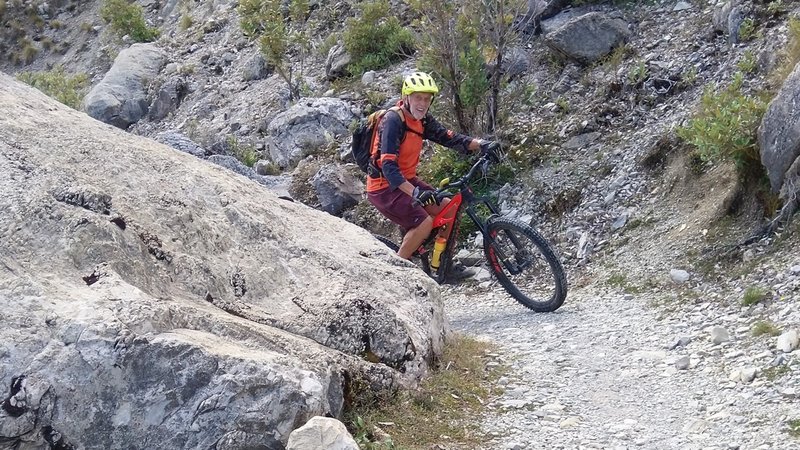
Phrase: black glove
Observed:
(423, 197)
(492, 150)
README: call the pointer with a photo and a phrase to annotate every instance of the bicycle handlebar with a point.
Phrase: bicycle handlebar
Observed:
(482, 162)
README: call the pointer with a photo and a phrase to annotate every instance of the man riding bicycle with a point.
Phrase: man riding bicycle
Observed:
(397, 192)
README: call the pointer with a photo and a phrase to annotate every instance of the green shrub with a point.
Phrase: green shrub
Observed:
(725, 127)
(56, 83)
(753, 295)
(376, 38)
(794, 427)
(247, 154)
(127, 19)
(748, 63)
(29, 52)
(638, 73)
(285, 41)
(747, 30)
(762, 327)
(254, 15)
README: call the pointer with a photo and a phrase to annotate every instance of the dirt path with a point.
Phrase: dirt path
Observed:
(602, 372)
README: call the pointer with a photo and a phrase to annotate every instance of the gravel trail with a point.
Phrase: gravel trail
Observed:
(609, 371)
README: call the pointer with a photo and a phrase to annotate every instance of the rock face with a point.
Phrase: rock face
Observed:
(120, 99)
(155, 300)
(779, 132)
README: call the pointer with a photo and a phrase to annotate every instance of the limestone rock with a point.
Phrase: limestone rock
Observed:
(155, 298)
(321, 433)
(120, 99)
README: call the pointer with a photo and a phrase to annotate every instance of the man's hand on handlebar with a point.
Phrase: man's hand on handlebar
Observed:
(492, 150)
(424, 197)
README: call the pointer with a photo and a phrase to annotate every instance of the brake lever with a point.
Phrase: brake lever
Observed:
(485, 167)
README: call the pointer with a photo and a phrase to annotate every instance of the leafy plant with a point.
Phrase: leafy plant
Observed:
(376, 38)
(466, 46)
(725, 127)
(747, 30)
(279, 36)
(244, 153)
(638, 73)
(753, 295)
(127, 19)
(56, 83)
(748, 63)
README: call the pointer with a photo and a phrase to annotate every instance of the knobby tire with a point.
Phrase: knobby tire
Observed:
(541, 286)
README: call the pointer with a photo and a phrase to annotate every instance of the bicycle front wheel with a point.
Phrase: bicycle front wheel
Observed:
(525, 265)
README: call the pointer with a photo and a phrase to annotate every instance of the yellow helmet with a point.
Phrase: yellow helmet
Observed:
(419, 82)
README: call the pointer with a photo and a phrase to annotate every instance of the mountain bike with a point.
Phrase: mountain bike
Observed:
(519, 257)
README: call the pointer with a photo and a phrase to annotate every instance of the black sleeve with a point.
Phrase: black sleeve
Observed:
(436, 132)
(391, 131)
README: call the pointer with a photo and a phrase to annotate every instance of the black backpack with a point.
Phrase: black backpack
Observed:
(363, 138)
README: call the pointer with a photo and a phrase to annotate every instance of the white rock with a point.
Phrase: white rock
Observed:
(679, 276)
(321, 433)
(719, 335)
(749, 374)
(788, 341)
(569, 422)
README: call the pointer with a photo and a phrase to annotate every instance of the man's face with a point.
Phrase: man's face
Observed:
(418, 103)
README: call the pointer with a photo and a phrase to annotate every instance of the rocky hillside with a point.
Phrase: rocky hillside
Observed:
(599, 92)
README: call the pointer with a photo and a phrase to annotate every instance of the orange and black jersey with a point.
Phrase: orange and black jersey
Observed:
(400, 152)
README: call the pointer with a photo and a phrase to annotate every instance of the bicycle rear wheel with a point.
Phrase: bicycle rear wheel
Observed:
(525, 265)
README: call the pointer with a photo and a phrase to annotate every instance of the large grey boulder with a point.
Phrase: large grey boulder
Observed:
(589, 37)
(337, 188)
(309, 126)
(120, 99)
(779, 132)
(151, 299)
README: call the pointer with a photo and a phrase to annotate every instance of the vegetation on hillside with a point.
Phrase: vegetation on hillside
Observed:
(447, 403)
(66, 88)
(284, 37)
(376, 39)
(127, 19)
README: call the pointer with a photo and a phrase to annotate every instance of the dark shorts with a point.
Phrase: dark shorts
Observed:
(396, 205)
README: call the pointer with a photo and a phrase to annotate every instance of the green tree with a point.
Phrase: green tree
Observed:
(464, 44)
(280, 36)
(127, 19)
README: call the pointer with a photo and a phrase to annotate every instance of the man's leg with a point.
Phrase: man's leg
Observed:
(414, 238)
